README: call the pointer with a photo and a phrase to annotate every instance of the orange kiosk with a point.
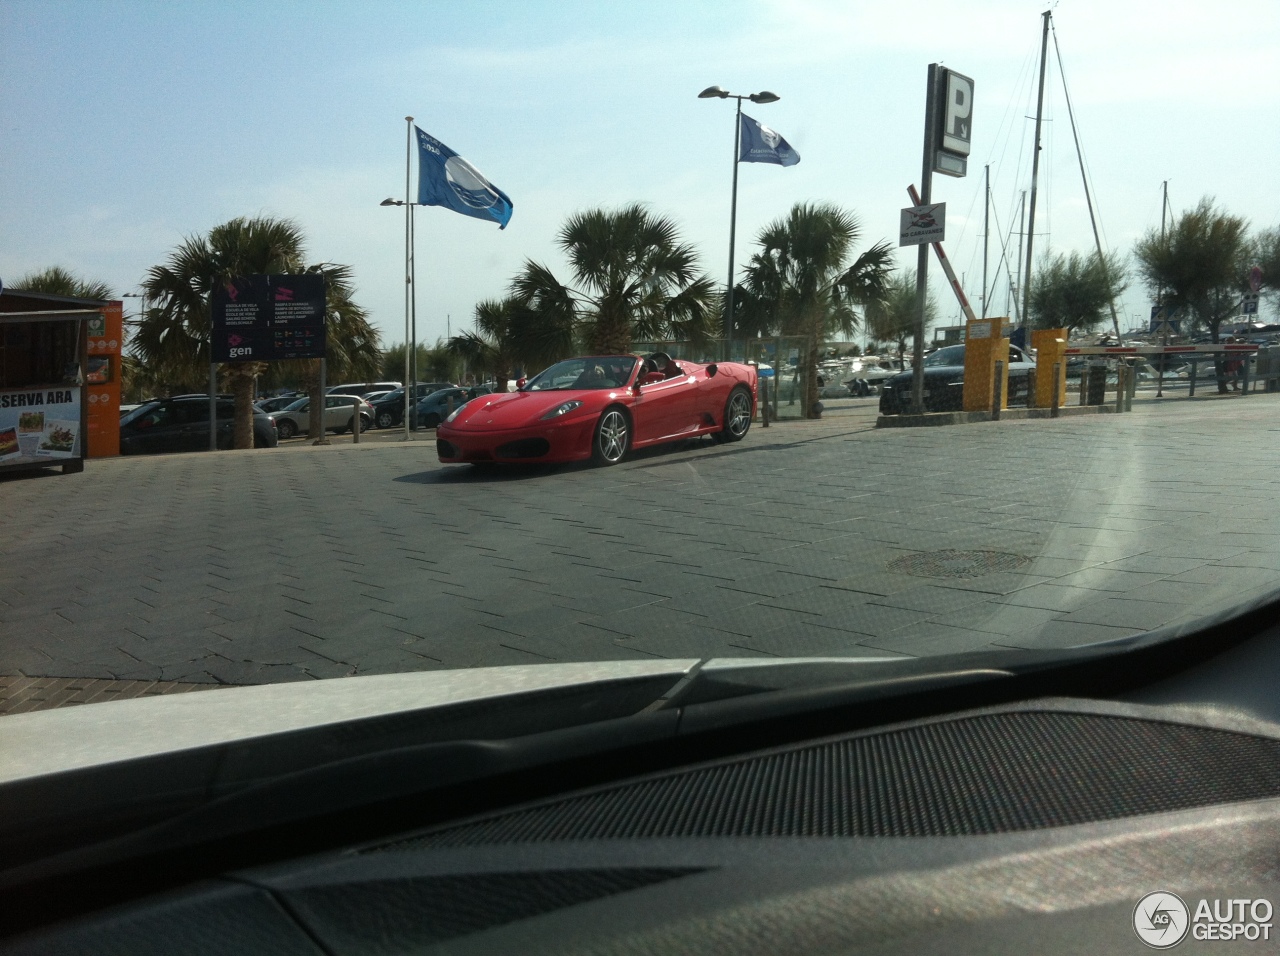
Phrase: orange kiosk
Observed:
(58, 405)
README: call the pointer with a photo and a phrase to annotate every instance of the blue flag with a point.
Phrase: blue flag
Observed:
(762, 145)
(446, 179)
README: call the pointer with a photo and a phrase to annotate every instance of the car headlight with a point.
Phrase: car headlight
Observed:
(564, 408)
(455, 413)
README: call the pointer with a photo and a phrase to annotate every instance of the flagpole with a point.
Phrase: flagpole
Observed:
(408, 277)
(733, 228)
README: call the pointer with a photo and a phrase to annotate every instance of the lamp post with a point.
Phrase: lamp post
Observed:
(410, 318)
(764, 96)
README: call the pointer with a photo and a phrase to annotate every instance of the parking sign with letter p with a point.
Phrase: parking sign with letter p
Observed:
(957, 113)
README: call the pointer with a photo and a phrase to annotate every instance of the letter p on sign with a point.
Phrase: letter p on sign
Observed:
(957, 114)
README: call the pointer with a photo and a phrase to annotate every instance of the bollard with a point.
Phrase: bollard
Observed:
(1131, 387)
(1120, 370)
(355, 421)
(1195, 370)
(1057, 384)
(997, 392)
(1084, 384)
(764, 404)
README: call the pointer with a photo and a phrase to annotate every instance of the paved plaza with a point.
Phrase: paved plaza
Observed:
(827, 538)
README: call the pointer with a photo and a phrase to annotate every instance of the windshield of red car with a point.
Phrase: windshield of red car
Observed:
(599, 372)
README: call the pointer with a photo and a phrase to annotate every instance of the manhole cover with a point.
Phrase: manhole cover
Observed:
(958, 564)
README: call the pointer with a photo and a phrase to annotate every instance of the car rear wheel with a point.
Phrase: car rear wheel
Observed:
(612, 437)
(430, 420)
(386, 419)
(737, 416)
(285, 429)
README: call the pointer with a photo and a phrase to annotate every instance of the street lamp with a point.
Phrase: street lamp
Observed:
(410, 318)
(764, 96)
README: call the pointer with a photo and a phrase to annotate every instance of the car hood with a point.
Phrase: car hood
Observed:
(517, 409)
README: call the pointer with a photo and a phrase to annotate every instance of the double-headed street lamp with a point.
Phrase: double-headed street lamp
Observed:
(764, 96)
(410, 317)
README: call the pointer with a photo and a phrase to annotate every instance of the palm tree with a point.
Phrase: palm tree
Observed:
(172, 338)
(633, 278)
(894, 317)
(59, 281)
(801, 282)
(509, 333)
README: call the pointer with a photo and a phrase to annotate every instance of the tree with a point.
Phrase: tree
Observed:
(1201, 265)
(173, 337)
(633, 278)
(893, 317)
(59, 281)
(509, 334)
(801, 281)
(1266, 255)
(1071, 291)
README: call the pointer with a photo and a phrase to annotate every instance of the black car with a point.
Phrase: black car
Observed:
(944, 382)
(388, 411)
(440, 404)
(182, 424)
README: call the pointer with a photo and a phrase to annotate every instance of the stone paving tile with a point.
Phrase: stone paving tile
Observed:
(930, 637)
(1107, 579)
(1121, 612)
(1057, 634)
(994, 618)
(932, 599)
(808, 640)
(1054, 597)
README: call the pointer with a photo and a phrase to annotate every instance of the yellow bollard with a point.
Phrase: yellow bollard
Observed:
(1050, 346)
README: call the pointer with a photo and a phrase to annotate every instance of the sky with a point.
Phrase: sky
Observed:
(126, 127)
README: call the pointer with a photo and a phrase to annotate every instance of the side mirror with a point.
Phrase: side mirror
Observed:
(520, 383)
(712, 369)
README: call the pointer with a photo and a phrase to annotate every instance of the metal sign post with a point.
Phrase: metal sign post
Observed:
(948, 128)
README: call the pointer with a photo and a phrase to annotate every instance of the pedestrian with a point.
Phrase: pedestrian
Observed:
(1234, 365)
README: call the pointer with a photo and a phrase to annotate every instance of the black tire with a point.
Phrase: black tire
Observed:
(386, 419)
(285, 429)
(430, 420)
(737, 416)
(612, 438)
(365, 422)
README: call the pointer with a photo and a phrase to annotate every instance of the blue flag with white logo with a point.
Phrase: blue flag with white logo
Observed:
(762, 145)
(446, 179)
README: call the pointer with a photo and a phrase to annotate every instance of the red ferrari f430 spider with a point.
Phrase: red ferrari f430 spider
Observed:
(601, 407)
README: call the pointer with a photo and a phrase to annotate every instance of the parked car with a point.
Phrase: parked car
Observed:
(182, 424)
(437, 406)
(277, 404)
(944, 381)
(361, 388)
(296, 419)
(389, 409)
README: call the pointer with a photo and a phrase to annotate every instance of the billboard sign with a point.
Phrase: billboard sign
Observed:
(268, 318)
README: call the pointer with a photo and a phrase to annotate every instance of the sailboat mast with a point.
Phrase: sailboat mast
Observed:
(986, 232)
(1102, 259)
(1035, 166)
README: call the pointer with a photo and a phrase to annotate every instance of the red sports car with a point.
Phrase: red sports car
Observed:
(601, 407)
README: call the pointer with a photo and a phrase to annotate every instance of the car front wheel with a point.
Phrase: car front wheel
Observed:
(612, 437)
(285, 429)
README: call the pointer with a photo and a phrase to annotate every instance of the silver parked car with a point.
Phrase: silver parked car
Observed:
(296, 419)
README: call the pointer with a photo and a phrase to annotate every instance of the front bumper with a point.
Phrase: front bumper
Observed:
(550, 442)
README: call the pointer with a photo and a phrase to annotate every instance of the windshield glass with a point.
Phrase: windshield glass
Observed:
(1114, 483)
(137, 413)
(600, 372)
(954, 355)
